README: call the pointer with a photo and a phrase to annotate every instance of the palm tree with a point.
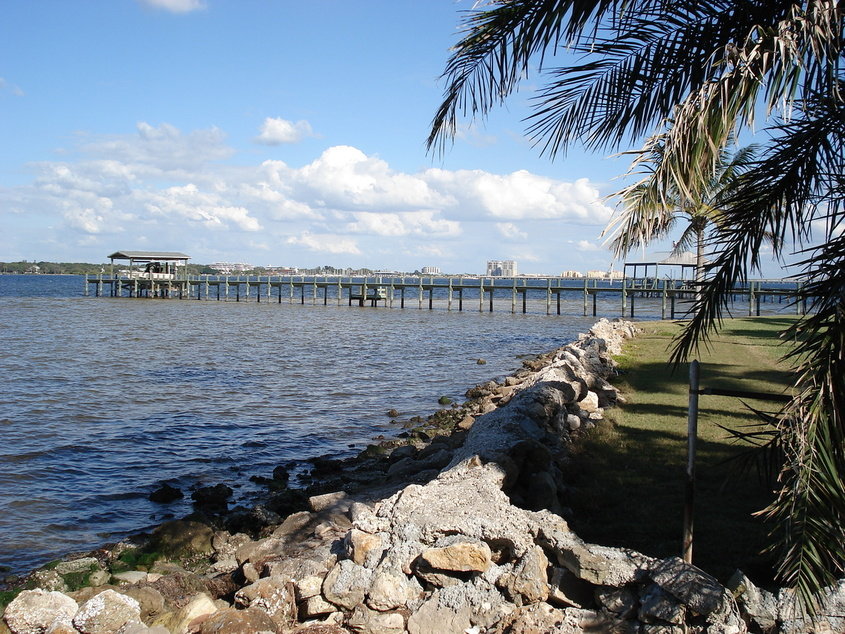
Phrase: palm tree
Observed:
(698, 71)
(649, 213)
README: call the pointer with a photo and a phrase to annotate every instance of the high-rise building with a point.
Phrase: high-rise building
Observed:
(501, 268)
(431, 270)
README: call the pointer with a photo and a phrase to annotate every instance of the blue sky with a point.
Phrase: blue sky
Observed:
(272, 132)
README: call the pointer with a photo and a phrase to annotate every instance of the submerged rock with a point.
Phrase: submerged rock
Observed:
(213, 498)
(166, 494)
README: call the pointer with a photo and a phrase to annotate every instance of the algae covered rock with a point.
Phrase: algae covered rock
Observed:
(180, 538)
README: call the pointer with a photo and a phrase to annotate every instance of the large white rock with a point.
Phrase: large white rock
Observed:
(347, 584)
(273, 595)
(106, 613)
(33, 611)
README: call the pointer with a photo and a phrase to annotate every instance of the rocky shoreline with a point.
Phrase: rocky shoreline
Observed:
(459, 526)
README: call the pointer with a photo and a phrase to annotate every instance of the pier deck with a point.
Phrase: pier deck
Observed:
(456, 293)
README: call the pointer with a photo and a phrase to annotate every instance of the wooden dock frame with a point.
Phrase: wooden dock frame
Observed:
(675, 300)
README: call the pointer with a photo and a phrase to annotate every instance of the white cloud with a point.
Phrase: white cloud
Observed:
(175, 6)
(587, 246)
(422, 223)
(325, 243)
(10, 88)
(525, 256)
(163, 188)
(343, 177)
(520, 195)
(158, 150)
(510, 231)
(431, 250)
(189, 203)
(281, 131)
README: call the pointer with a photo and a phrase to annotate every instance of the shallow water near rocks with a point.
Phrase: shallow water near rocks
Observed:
(105, 398)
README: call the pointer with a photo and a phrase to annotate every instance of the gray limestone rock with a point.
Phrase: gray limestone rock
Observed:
(149, 599)
(49, 580)
(658, 606)
(539, 617)
(232, 621)
(623, 602)
(364, 548)
(528, 583)
(829, 618)
(347, 584)
(758, 605)
(590, 402)
(690, 585)
(599, 565)
(196, 608)
(106, 613)
(140, 628)
(391, 589)
(273, 595)
(367, 621)
(83, 564)
(33, 611)
(434, 617)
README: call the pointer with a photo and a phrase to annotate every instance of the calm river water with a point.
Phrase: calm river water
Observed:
(105, 398)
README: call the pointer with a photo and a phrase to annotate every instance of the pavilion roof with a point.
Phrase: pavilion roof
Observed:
(687, 258)
(149, 256)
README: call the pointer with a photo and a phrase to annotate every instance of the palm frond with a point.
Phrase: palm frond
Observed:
(775, 201)
(496, 51)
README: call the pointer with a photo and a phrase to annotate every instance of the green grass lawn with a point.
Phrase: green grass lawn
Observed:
(629, 473)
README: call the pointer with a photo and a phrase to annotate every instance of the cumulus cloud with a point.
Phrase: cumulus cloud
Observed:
(175, 6)
(281, 131)
(343, 177)
(510, 231)
(520, 195)
(155, 150)
(160, 183)
(586, 246)
(189, 203)
(422, 223)
(325, 243)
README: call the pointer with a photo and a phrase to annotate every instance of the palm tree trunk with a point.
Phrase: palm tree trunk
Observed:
(699, 262)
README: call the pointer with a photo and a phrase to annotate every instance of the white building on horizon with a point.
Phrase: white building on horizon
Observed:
(606, 275)
(224, 268)
(431, 270)
(501, 268)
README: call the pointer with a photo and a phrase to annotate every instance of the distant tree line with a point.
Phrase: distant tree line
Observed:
(85, 268)
(79, 268)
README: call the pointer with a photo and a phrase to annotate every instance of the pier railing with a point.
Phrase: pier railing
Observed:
(553, 295)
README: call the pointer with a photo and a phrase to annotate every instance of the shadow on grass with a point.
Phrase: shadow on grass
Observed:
(659, 377)
(760, 328)
(633, 497)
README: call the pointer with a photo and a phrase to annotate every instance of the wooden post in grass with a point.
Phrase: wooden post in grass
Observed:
(692, 434)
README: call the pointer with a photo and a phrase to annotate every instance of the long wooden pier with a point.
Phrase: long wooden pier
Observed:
(456, 293)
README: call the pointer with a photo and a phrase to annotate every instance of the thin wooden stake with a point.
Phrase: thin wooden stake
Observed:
(692, 434)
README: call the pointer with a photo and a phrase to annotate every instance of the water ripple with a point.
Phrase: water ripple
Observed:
(104, 399)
